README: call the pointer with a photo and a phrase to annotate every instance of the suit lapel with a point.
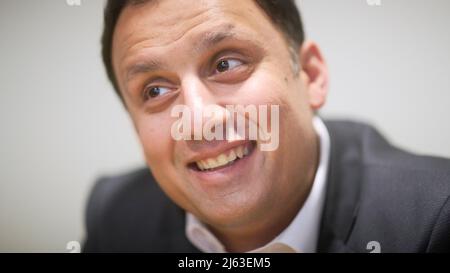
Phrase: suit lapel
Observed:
(343, 189)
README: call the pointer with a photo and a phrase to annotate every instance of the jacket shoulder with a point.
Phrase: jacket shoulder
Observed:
(130, 213)
(363, 142)
(402, 199)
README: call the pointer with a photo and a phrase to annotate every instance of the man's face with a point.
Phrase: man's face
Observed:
(200, 53)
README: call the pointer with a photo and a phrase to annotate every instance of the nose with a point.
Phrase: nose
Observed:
(206, 114)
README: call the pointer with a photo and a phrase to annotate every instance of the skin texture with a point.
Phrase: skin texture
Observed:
(176, 46)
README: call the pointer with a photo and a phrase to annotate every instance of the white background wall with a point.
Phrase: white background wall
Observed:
(62, 126)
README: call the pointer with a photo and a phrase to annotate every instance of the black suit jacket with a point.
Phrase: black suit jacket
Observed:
(375, 192)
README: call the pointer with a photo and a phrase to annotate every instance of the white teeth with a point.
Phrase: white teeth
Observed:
(223, 159)
(231, 156)
(239, 152)
(211, 163)
(200, 165)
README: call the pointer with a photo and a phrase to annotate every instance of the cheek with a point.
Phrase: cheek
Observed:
(154, 135)
(279, 87)
(260, 89)
(158, 147)
(272, 88)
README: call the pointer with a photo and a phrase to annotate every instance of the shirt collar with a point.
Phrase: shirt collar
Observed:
(302, 233)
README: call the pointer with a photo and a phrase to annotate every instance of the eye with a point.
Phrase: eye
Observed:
(227, 64)
(155, 91)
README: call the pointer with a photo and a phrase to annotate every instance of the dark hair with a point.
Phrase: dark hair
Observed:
(283, 13)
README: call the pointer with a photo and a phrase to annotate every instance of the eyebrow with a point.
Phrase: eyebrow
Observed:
(143, 67)
(208, 40)
(212, 38)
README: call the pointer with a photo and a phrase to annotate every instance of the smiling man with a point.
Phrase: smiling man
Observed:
(326, 187)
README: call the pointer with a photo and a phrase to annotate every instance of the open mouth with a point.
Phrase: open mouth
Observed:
(225, 159)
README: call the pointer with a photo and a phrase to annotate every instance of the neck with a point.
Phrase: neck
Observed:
(255, 235)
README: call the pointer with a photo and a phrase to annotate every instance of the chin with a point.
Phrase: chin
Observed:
(232, 211)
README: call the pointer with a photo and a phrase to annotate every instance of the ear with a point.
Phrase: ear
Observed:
(315, 74)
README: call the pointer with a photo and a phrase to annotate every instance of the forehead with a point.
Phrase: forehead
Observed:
(164, 23)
